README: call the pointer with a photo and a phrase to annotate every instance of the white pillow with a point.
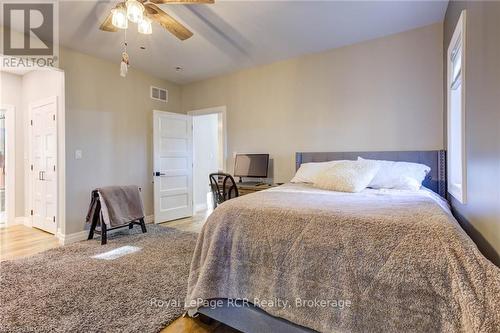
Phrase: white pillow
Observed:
(308, 171)
(399, 175)
(347, 176)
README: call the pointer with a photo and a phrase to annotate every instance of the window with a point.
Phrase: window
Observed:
(456, 113)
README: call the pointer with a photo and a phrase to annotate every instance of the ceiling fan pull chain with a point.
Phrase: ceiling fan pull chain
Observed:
(124, 64)
(125, 42)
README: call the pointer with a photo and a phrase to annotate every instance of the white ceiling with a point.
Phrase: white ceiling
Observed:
(231, 35)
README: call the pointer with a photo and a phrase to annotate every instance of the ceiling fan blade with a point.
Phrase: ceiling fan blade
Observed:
(107, 25)
(167, 22)
(182, 2)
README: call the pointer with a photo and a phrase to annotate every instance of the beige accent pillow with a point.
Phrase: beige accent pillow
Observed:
(347, 176)
(308, 171)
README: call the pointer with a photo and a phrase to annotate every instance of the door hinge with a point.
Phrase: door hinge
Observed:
(32, 167)
(31, 122)
(54, 218)
(32, 212)
(54, 117)
(54, 168)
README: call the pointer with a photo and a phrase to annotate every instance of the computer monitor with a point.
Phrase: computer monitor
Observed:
(251, 165)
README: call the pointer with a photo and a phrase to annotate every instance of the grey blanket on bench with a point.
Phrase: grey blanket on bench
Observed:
(119, 205)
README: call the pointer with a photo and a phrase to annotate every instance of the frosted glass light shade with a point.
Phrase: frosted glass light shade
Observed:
(119, 18)
(135, 10)
(144, 26)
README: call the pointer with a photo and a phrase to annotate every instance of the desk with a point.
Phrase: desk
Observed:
(247, 189)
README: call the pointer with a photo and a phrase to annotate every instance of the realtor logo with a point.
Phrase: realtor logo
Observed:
(30, 35)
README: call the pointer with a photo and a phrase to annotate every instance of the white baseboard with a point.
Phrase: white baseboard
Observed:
(72, 238)
(17, 220)
(21, 220)
(200, 207)
(28, 221)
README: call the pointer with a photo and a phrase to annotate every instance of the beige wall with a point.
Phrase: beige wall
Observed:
(11, 87)
(480, 216)
(384, 94)
(110, 119)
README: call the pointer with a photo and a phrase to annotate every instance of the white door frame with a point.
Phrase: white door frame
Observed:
(61, 161)
(217, 110)
(61, 164)
(10, 158)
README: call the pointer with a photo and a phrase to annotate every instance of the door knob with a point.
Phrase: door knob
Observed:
(158, 174)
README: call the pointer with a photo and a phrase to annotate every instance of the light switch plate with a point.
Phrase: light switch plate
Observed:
(78, 154)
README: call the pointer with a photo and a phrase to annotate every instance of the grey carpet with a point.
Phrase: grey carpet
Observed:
(64, 290)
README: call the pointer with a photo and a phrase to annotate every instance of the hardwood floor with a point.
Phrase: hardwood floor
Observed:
(194, 325)
(19, 241)
(192, 224)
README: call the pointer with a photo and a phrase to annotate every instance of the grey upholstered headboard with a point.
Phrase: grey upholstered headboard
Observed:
(435, 159)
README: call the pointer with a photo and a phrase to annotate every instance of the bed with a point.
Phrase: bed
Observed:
(299, 259)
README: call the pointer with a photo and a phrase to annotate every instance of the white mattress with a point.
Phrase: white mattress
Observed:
(308, 188)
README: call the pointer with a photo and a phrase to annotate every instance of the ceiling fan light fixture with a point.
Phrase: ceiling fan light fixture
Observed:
(119, 18)
(144, 26)
(135, 10)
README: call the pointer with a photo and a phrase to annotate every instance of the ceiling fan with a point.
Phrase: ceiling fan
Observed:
(144, 12)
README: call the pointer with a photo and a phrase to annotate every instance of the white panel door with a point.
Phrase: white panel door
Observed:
(43, 164)
(173, 166)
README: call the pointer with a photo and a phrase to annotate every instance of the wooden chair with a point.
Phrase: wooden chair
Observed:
(223, 187)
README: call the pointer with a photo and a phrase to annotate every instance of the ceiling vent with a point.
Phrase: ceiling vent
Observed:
(159, 94)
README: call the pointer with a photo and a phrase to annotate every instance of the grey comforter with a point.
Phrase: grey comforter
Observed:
(375, 261)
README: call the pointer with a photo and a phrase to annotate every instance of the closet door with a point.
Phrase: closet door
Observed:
(44, 164)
